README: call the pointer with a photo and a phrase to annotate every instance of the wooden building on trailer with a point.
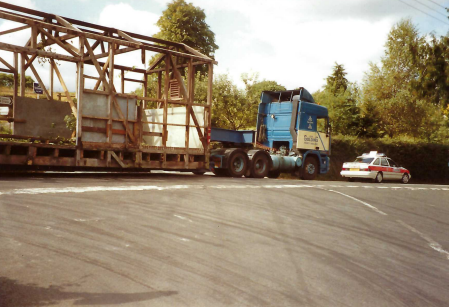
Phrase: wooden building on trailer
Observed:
(114, 129)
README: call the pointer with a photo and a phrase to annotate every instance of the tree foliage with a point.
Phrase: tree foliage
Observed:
(183, 22)
(8, 80)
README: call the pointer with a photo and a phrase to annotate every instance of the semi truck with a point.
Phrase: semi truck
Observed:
(292, 136)
(114, 129)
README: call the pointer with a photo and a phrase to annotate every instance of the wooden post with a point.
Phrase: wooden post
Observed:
(51, 79)
(22, 74)
(33, 37)
(16, 82)
(111, 47)
(123, 80)
(208, 118)
(166, 85)
(188, 111)
(80, 90)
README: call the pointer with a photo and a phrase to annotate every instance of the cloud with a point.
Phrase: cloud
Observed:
(297, 42)
(124, 17)
(29, 4)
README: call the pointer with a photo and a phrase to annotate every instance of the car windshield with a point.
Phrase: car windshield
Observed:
(364, 160)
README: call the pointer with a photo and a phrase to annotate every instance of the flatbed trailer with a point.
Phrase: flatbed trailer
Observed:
(115, 130)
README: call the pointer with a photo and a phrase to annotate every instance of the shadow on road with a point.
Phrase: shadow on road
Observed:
(14, 294)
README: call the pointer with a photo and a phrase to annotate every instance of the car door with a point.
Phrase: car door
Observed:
(386, 169)
(396, 174)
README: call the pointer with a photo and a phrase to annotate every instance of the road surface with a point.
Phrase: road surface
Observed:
(185, 240)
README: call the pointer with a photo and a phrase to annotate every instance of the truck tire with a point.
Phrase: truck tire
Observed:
(260, 166)
(309, 169)
(237, 164)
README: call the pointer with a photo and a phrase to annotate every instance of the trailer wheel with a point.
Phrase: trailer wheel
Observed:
(238, 163)
(309, 169)
(274, 174)
(260, 166)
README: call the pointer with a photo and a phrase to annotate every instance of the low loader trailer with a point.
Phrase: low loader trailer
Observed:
(106, 127)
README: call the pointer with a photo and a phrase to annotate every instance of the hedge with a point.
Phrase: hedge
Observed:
(427, 162)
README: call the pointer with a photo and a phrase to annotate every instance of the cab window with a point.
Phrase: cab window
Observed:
(383, 162)
(377, 162)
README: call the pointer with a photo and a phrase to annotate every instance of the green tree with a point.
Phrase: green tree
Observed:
(341, 98)
(230, 106)
(390, 86)
(183, 22)
(337, 82)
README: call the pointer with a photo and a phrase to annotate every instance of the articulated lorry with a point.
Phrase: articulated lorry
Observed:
(114, 129)
(292, 136)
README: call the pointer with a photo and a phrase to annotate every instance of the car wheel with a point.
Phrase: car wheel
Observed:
(379, 177)
(405, 178)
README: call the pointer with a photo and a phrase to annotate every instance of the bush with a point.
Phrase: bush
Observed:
(427, 162)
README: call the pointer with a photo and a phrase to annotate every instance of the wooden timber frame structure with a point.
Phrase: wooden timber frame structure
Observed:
(97, 42)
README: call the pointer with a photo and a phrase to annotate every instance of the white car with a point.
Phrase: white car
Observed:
(374, 166)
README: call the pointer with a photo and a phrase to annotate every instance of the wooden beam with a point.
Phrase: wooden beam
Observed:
(65, 46)
(46, 54)
(180, 80)
(16, 83)
(97, 84)
(30, 61)
(66, 24)
(111, 94)
(127, 37)
(156, 62)
(166, 85)
(50, 26)
(14, 30)
(38, 78)
(97, 66)
(106, 54)
(79, 96)
(22, 74)
(64, 87)
(119, 161)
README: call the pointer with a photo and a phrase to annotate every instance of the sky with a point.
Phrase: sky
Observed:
(293, 42)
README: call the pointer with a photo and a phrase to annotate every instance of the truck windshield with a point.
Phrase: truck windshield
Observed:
(364, 160)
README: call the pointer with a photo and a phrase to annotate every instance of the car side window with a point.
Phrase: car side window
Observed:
(384, 162)
(377, 162)
(392, 163)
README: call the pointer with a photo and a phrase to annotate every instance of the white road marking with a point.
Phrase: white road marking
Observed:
(189, 187)
(182, 218)
(433, 244)
(360, 201)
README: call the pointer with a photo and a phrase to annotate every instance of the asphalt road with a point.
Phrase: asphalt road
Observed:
(185, 240)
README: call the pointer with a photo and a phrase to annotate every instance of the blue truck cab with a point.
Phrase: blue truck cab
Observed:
(292, 136)
(290, 123)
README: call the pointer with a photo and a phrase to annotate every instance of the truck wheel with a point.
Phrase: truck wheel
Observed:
(274, 174)
(238, 163)
(309, 169)
(260, 166)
